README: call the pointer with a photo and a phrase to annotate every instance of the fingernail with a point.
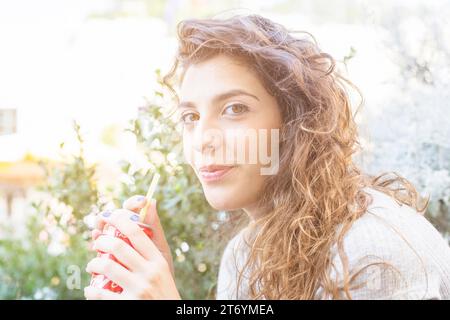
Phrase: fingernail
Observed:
(106, 213)
(134, 218)
(140, 198)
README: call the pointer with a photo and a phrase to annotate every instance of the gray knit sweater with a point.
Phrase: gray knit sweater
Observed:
(417, 254)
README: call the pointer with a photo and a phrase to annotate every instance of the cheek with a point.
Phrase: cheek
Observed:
(188, 148)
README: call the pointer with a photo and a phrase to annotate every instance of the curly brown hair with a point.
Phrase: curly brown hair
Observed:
(318, 186)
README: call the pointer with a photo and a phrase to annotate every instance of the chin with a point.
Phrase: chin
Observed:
(222, 203)
(219, 204)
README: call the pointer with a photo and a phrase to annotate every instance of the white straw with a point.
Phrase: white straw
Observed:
(150, 192)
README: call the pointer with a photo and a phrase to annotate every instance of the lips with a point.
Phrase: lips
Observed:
(214, 172)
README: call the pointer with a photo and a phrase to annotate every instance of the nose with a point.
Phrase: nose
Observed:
(208, 136)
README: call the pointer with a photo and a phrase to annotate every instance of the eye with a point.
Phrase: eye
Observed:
(235, 109)
(189, 117)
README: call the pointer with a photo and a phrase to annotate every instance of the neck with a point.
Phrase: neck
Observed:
(255, 211)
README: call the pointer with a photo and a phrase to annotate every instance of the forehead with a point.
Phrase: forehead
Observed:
(216, 75)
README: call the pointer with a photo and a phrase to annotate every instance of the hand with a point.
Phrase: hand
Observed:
(148, 271)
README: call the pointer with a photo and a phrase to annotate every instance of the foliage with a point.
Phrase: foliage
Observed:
(411, 133)
(38, 265)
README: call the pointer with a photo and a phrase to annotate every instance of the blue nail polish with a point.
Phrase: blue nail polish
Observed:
(134, 218)
(106, 213)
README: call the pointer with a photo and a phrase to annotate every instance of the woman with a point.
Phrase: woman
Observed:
(319, 228)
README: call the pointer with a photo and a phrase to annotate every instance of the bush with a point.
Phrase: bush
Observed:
(40, 264)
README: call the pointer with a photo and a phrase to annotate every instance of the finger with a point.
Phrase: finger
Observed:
(125, 222)
(152, 219)
(113, 271)
(158, 238)
(135, 203)
(124, 253)
(95, 234)
(99, 221)
(92, 293)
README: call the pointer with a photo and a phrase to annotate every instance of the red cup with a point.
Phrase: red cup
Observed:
(99, 280)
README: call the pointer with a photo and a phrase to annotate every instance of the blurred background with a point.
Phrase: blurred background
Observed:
(81, 128)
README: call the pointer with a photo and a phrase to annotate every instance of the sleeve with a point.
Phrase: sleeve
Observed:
(230, 263)
(224, 281)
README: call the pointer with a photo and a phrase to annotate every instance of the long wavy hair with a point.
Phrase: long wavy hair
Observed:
(318, 186)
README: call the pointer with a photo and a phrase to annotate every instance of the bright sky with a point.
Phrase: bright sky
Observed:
(56, 66)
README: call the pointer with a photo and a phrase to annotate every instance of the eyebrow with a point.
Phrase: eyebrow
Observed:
(220, 97)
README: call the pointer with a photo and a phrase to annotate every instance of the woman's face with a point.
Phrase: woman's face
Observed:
(225, 109)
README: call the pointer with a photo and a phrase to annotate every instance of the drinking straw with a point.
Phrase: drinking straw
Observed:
(149, 196)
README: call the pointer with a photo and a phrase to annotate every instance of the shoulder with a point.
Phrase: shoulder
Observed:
(394, 252)
(388, 227)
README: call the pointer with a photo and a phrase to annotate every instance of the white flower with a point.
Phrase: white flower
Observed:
(184, 247)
